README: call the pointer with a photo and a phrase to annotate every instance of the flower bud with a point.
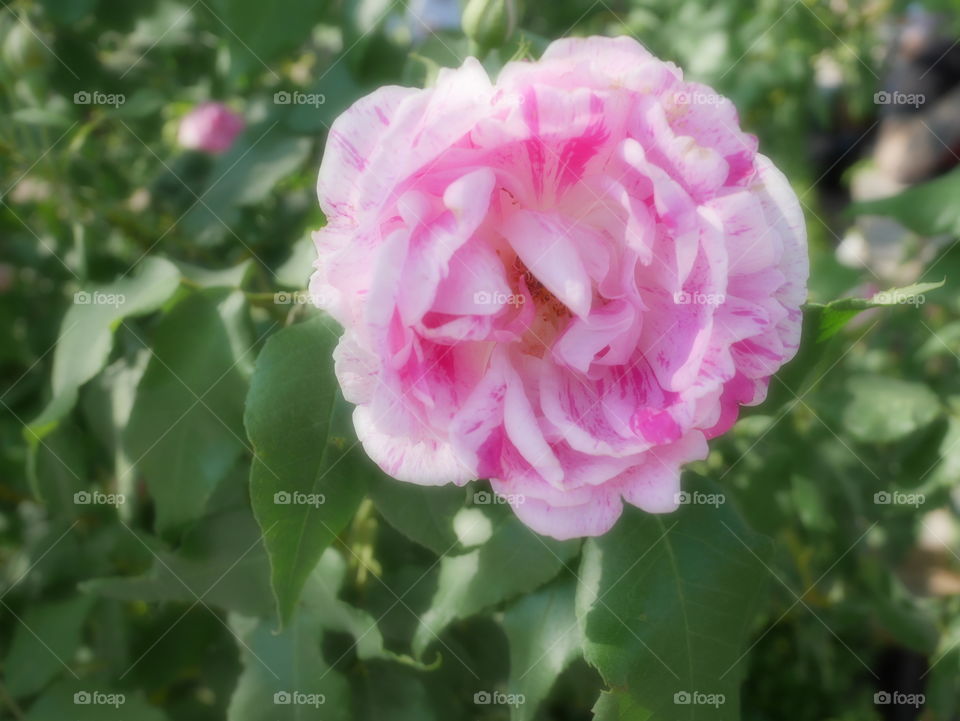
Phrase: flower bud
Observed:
(210, 127)
(490, 23)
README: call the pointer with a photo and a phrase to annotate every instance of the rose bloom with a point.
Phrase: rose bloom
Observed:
(564, 282)
(209, 127)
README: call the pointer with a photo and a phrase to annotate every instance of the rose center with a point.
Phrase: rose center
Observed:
(550, 315)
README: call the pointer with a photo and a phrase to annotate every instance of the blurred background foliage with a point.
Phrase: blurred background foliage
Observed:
(172, 597)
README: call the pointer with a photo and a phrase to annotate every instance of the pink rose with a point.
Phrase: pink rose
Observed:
(565, 282)
(210, 127)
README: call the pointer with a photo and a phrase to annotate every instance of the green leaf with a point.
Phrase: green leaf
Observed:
(619, 707)
(388, 691)
(444, 50)
(811, 506)
(423, 514)
(221, 278)
(928, 209)
(44, 641)
(544, 640)
(141, 104)
(244, 175)
(285, 676)
(514, 561)
(185, 430)
(945, 342)
(42, 118)
(165, 26)
(836, 314)
(820, 346)
(57, 470)
(250, 175)
(365, 16)
(906, 620)
(107, 402)
(332, 93)
(307, 478)
(86, 335)
(888, 409)
(67, 12)
(320, 593)
(947, 468)
(222, 561)
(259, 32)
(295, 271)
(943, 686)
(665, 604)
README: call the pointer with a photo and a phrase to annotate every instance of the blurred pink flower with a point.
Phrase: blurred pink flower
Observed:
(210, 127)
(565, 282)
